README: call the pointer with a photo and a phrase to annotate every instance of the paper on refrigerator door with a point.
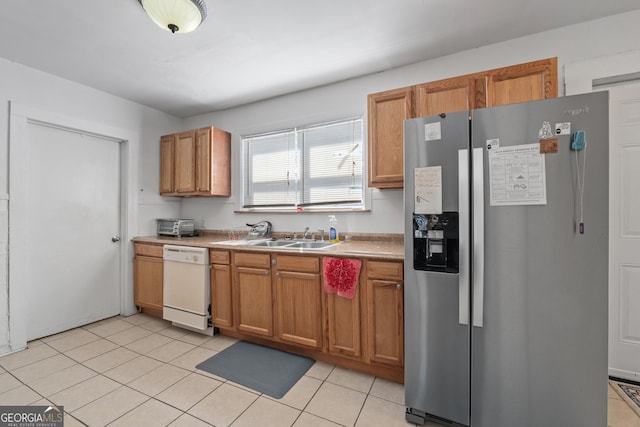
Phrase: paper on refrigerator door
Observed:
(432, 131)
(517, 176)
(428, 190)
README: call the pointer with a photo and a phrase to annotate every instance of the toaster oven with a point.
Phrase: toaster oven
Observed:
(176, 227)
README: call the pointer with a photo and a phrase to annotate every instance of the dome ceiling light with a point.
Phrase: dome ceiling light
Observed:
(177, 16)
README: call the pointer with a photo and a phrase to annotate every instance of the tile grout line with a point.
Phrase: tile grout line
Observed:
(200, 345)
(164, 363)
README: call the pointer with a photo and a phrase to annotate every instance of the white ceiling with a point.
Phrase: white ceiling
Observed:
(248, 50)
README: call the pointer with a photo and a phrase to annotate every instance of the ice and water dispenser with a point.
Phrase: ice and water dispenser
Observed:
(435, 242)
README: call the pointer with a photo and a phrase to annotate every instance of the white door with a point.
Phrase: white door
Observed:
(624, 231)
(73, 211)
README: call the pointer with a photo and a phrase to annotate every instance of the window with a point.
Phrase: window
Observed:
(316, 166)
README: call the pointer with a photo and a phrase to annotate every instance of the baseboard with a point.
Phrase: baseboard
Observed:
(624, 380)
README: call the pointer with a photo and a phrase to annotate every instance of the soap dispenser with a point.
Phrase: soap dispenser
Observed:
(333, 229)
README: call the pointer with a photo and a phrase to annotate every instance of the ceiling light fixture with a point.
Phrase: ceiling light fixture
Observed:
(177, 16)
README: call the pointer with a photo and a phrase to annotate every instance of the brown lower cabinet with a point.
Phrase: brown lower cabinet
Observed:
(252, 274)
(221, 289)
(344, 333)
(298, 300)
(278, 300)
(385, 313)
(147, 295)
(281, 303)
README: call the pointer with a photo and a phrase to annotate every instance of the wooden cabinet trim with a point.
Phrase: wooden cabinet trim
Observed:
(252, 259)
(167, 143)
(203, 160)
(385, 270)
(220, 162)
(148, 250)
(219, 257)
(297, 263)
(221, 296)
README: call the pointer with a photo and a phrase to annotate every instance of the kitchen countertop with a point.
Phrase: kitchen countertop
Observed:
(380, 246)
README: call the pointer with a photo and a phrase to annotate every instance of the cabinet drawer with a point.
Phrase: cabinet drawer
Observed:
(219, 257)
(298, 263)
(384, 270)
(148, 250)
(244, 259)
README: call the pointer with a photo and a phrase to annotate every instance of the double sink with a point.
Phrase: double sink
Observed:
(294, 244)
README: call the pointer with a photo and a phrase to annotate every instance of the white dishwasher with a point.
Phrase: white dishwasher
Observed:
(186, 292)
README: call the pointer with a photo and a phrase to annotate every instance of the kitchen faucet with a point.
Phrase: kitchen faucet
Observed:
(304, 235)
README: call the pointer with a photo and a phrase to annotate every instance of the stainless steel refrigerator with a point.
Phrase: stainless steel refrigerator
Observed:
(506, 259)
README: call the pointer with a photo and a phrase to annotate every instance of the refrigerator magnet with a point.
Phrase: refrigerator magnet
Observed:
(563, 128)
(432, 131)
(493, 143)
(545, 131)
(548, 146)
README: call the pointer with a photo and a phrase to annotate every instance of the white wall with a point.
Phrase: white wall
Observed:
(596, 38)
(33, 89)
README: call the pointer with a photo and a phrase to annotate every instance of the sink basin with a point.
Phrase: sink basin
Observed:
(292, 244)
(312, 245)
(273, 243)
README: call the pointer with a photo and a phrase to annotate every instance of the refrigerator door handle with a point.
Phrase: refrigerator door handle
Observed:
(478, 237)
(463, 237)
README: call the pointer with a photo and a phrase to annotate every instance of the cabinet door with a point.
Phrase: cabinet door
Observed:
(185, 155)
(299, 308)
(385, 321)
(524, 82)
(221, 296)
(166, 164)
(220, 162)
(386, 114)
(255, 300)
(203, 160)
(450, 95)
(147, 290)
(343, 325)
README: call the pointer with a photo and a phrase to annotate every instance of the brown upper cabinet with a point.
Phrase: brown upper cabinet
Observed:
(196, 163)
(387, 110)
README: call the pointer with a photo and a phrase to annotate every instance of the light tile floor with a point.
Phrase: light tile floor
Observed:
(140, 371)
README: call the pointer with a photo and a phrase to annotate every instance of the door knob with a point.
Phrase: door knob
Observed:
(115, 239)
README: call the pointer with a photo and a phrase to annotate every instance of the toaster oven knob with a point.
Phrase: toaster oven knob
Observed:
(115, 239)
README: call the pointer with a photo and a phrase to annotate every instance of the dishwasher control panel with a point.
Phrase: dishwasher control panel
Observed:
(186, 254)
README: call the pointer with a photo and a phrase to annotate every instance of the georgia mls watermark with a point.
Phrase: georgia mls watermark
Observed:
(31, 416)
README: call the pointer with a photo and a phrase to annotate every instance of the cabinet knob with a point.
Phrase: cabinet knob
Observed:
(266, 273)
(274, 261)
(277, 273)
(398, 286)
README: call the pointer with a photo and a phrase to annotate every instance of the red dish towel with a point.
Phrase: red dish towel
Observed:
(341, 276)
